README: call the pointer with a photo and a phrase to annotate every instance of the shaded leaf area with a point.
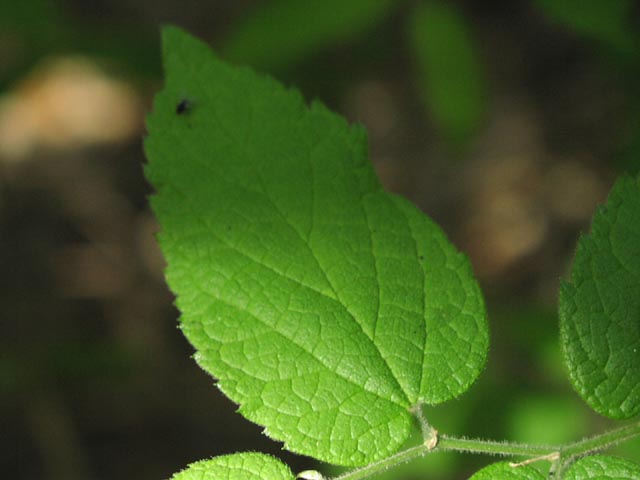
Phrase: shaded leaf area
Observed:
(504, 471)
(600, 307)
(602, 467)
(283, 32)
(326, 307)
(450, 72)
(240, 466)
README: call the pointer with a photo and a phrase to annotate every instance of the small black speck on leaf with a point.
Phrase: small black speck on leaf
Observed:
(183, 106)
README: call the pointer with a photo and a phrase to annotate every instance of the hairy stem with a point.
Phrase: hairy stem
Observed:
(602, 441)
(471, 445)
(435, 442)
(382, 465)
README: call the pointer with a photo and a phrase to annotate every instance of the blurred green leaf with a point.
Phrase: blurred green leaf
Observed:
(283, 32)
(609, 22)
(629, 449)
(601, 467)
(503, 471)
(239, 466)
(600, 307)
(28, 29)
(546, 420)
(9, 373)
(39, 20)
(450, 72)
(33, 29)
(90, 360)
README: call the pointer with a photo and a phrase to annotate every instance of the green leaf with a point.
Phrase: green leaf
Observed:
(239, 466)
(601, 467)
(451, 76)
(546, 419)
(600, 307)
(282, 32)
(325, 307)
(609, 22)
(504, 471)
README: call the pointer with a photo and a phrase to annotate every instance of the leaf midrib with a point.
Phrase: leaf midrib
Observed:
(209, 229)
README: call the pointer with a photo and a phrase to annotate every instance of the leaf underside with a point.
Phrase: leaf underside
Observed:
(600, 307)
(239, 466)
(326, 307)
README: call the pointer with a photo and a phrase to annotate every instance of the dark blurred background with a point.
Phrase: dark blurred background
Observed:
(506, 121)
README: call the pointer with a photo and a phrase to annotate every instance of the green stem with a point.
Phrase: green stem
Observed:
(382, 465)
(602, 441)
(469, 445)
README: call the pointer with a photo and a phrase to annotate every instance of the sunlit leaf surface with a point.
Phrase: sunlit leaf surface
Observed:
(326, 307)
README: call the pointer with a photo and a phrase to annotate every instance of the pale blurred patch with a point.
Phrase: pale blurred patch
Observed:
(572, 191)
(93, 271)
(67, 103)
(373, 103)
(506, 220)
(521, 197)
